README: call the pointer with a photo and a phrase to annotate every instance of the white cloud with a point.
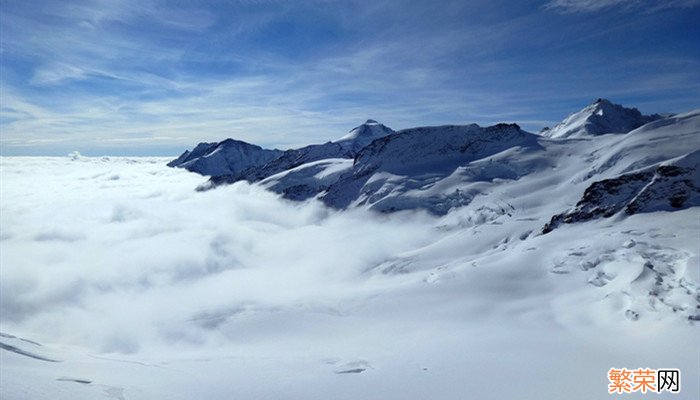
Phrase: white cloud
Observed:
(588, 6)
(577, 6)
(130, 246)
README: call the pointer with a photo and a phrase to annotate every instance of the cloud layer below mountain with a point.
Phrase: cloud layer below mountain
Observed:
(132, 248)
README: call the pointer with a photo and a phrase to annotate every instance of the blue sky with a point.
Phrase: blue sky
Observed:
(152, 77)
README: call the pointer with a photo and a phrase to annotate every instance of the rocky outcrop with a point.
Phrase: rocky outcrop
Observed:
(666, 187)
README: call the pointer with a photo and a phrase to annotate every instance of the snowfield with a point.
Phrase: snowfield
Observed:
(120, 281)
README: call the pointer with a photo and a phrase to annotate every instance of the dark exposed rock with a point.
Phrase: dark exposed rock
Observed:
(664, 188)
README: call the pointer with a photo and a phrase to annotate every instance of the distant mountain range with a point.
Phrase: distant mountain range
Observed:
(601, 161)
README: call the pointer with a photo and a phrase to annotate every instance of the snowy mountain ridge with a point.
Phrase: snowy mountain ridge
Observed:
(440, 168)
(385, 172)
(264, 163)
(427, 148)
(224, 158)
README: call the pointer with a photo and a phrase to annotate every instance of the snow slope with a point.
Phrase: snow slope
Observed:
(599, 118)
(669, 186)
(288, 160)
(307, 180)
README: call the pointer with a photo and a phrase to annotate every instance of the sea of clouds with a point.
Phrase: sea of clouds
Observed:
(117, 253)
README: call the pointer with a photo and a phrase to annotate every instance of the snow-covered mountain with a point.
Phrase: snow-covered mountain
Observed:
(420, 154)
(231, 160)
(653, 168)
(438, 169)
(441, 168)
(599, 118)
(227, 157)
(409, 169)
(363, 135)
(288, 160)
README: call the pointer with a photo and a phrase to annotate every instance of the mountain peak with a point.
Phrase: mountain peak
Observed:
(599, 118)
(364, 134)
(227, 157)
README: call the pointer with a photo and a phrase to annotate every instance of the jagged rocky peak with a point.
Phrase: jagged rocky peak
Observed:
(600, 117)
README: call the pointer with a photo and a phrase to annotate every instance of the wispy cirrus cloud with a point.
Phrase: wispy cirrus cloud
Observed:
(90, 74)
(584, 6)
(588, 6)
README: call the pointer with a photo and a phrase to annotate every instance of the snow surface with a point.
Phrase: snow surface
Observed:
(119, 281)
(307, 180)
